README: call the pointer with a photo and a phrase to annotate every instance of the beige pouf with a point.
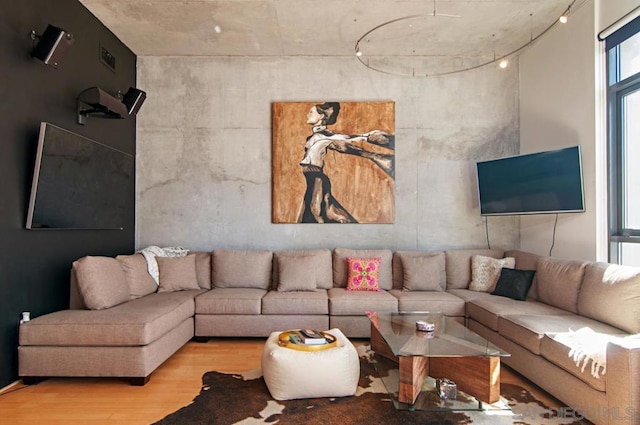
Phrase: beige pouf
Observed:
(291, 374)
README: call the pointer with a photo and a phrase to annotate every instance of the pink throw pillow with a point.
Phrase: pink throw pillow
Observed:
(362, 274)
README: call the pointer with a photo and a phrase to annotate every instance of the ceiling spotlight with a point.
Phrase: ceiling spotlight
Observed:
(565, 16)
(358, 53)
(503, 63)
(217, 29)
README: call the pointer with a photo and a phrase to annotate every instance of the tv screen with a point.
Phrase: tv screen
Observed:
(78, 183)
(537, 183)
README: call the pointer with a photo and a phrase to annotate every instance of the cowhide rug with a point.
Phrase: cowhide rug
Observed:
(227, 399)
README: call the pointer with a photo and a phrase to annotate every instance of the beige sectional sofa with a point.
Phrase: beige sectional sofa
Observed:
(122, 323)
(572, 304)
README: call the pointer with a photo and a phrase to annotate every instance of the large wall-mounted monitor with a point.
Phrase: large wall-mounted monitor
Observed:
(537, 183)
(79, 183)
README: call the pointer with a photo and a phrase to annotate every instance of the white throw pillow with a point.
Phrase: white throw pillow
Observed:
(485, 272)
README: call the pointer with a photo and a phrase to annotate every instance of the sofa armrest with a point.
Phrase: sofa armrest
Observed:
(623, 385)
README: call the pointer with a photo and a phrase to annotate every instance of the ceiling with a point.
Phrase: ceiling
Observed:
(327, 27)
(398, 37)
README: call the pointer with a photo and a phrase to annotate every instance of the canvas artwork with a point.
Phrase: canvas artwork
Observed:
(333, 162)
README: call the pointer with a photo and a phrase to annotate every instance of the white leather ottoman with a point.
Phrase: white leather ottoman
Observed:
(291, 374)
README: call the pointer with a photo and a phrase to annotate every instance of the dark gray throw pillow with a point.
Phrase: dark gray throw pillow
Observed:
(514, 283)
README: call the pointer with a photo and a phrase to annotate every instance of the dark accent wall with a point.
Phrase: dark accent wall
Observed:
(35, 264)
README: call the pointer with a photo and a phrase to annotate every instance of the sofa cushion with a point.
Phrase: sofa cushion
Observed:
(610, 293)
(557, 353)
(459, 265)
(487, 310)
(230, 301)
(296, 274)
(203, 269)
(242, 269)
(526, 261)
(340, 269)
(514, 283)
(134, 323)
(527, 330)
(468, 295)
(431, 301)
(322, 270)
(559, 282)
(294, 302)
(363, 274)
(177, 273)
(138, 278)
(485, 271)
(101, 282)
(423, 272)
(356, 303)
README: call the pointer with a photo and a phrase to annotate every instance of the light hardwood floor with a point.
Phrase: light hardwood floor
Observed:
(71, 401)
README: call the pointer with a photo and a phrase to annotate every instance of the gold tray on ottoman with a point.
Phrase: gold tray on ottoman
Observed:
(283, 341)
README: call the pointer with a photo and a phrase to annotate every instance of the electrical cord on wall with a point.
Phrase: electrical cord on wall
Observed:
(553, 240)
(486, 229)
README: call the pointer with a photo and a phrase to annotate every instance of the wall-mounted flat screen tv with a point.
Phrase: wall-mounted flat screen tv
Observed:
(537, 183)
(79, 183)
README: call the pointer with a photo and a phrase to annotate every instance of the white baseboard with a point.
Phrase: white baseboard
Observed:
(8, 387)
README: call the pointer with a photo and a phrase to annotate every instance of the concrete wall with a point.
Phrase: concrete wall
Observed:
(204, 152)
(562, 104)
(557, 109)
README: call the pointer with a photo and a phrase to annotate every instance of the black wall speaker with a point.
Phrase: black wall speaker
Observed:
(52, 45)
(133, 100)
(96, 101)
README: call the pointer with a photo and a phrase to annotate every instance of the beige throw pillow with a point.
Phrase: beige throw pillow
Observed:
(177, 273)
(322, 270)
(485, 272)
(203, 269)
(137, 275)
(421, 273)
(242, 269)
(458, 266)
(297, 273)
(101, 282)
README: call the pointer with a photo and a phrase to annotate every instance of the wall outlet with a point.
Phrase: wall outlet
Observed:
(107, 58)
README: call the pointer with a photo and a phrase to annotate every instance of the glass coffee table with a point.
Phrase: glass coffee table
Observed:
(410, 361)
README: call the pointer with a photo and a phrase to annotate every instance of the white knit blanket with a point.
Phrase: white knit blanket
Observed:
(586, 346)
(151, 252)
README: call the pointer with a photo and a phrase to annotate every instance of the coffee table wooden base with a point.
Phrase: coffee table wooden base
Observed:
(413, 371)
(477, 376)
